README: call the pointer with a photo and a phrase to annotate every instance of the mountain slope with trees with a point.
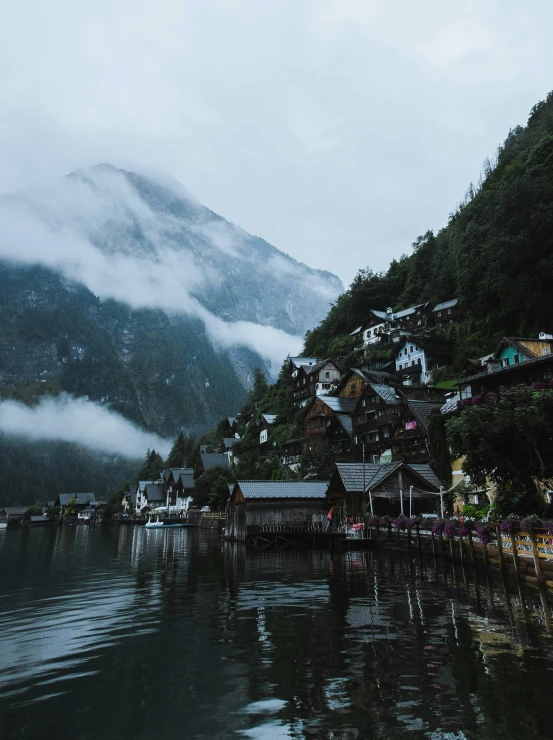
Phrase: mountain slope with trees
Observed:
(495, 255)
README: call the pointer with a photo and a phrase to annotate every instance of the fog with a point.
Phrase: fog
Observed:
(79, 226)
(78, 420)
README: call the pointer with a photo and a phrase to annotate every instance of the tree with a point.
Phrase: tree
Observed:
(180, 451)
(440, 456)
(507, 438)
(152, 467)
(218, 493)
(209, 484)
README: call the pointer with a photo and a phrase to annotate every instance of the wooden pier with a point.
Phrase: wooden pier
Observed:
(276, 537)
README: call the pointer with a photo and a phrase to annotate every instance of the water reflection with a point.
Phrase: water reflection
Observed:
(176, 635)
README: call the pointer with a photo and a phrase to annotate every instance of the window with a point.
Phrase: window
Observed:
(363, 403)
(412, 362)
(327, 375)
(545, 351)
(369, 333)
(504, 362)
(516, 359)
(411, 348)
(449, 311)
(386, 432)
(439, 314)
(419, 322)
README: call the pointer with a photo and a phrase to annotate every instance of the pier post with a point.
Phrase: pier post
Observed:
(471, 550)
(516, 561)
(536, 555)
(500, 548)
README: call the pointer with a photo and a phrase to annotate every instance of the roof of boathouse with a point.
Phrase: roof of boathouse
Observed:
(80, 498)
(353, 476)
(282, 489)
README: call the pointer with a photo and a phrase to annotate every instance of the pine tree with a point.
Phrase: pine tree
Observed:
(180, 451)
(153, 465)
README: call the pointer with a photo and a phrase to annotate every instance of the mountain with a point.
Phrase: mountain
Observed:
(121, 287)
(495, 255)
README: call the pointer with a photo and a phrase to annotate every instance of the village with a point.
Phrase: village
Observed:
(373, 420)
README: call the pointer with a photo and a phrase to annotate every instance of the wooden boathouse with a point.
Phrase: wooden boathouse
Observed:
(357, 489)
(266, 506)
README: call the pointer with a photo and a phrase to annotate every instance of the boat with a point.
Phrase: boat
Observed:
(154, 525)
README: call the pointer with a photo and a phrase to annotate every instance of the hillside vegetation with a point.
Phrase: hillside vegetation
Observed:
(495, 255)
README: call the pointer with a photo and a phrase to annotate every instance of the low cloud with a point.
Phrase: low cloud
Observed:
(69, 419)
(82, 227)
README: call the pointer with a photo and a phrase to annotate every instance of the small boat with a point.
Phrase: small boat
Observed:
(154, 525)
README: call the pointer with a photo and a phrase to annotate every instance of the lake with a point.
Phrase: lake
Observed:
(119, 633)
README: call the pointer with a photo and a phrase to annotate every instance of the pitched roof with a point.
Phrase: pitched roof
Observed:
(269, 418)
(155, 492)
(187, 478)
(303, 361)
(81, 498)
(386, 392)
(445, 304)
(346, 423)
(353, 475)
(319, 366)
(143, 483)
(339, 405)
(230, 441)
(214, 459)
(279, 489)
(516, 343)
(423, 410)
(15, 510)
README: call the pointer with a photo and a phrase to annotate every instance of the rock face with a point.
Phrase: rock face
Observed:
(125, 289)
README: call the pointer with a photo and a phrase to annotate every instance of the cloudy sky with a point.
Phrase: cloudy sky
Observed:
(338, 130)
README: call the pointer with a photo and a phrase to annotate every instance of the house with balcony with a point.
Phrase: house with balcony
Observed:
(266, 423)
(516, 361)
(375, 417)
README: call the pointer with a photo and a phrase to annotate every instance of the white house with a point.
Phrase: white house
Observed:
(412, 355)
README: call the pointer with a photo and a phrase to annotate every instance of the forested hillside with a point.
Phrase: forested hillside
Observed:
(495, 255)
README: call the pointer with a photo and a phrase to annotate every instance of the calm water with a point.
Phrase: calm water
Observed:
(127, 633)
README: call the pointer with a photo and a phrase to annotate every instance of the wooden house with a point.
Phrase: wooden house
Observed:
(354, 382)
(291, 452)
(410, 439)
(255, 505)
(385, 488)
(515, 350)
(318, 417)
(339, 433)
(417, 357)
(315, 380)
(81, 500)
(376, 416)
(154, 496)
(446, 312)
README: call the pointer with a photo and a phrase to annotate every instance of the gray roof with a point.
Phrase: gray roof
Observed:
(446, 304)
(15, 510)
(304, 361)
(386, 392)
(319, 366)
(269, 418)
(187, 478)
(155, 492)
(346, 423)
(425, 471)
(356, 331)
(50, 504)
(397, 314)
(230, 441)
(352, 474)
(423, 411)
(277, 489)
(81, 498)
(339, 405)
(214, 459)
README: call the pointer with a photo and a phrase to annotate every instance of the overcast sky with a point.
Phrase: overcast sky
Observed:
(338, 130)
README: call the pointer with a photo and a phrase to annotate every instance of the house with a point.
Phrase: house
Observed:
(446, 312)
(227, 443)
(339, 432)
(375, 417)
(13, 513)
(178, 483)
(254, 505)
(81, 500)
(538, 370)
(266, 424)
(229, 427)
(135, 501)
(514, 350)
(375, 329)
(318, 416)
(383, 488)
(209, 460)
(315, 380)
(410, 439)
(417, 357)
(154, 495)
